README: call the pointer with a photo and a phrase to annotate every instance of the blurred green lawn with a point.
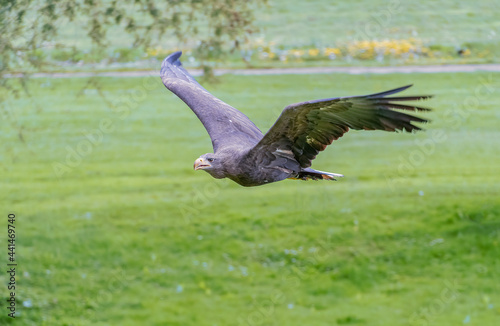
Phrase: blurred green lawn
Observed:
(445, 22)
(322, 22)
(131, 235)
(446, 25)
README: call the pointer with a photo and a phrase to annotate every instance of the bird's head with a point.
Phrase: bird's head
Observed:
(210, 163)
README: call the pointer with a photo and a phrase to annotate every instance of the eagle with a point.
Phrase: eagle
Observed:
(242, 153)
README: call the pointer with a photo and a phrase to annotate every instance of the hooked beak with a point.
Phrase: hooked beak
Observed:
(200, 164)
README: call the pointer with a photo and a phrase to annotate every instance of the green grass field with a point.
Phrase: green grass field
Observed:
(445, 26)
(126, 233)
(443, 22)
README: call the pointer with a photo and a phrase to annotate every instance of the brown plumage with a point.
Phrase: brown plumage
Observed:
(246, 156)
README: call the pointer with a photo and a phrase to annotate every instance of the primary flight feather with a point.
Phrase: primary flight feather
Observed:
(245, 155)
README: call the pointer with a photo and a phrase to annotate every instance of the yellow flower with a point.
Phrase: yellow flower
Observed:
(313, 52)
(297, 53)
(330, 51)
(152, 52)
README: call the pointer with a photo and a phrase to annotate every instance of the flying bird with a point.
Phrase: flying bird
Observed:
(242, 153)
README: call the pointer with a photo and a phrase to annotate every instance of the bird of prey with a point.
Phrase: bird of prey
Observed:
(243, 154)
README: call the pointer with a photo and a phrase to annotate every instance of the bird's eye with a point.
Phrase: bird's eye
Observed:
(210, 159)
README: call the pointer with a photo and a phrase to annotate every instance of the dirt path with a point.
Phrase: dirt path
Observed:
(284, 71)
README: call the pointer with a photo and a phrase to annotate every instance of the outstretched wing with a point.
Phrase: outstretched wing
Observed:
(304, 129)
(225, 125)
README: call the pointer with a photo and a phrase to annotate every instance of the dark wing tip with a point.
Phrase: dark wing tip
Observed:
(172, 59)
(389, 92)
(405, 98)
(389, 102)
(395, 120)
(171, 68)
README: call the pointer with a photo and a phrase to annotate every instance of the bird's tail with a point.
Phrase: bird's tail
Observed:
(311, 174)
